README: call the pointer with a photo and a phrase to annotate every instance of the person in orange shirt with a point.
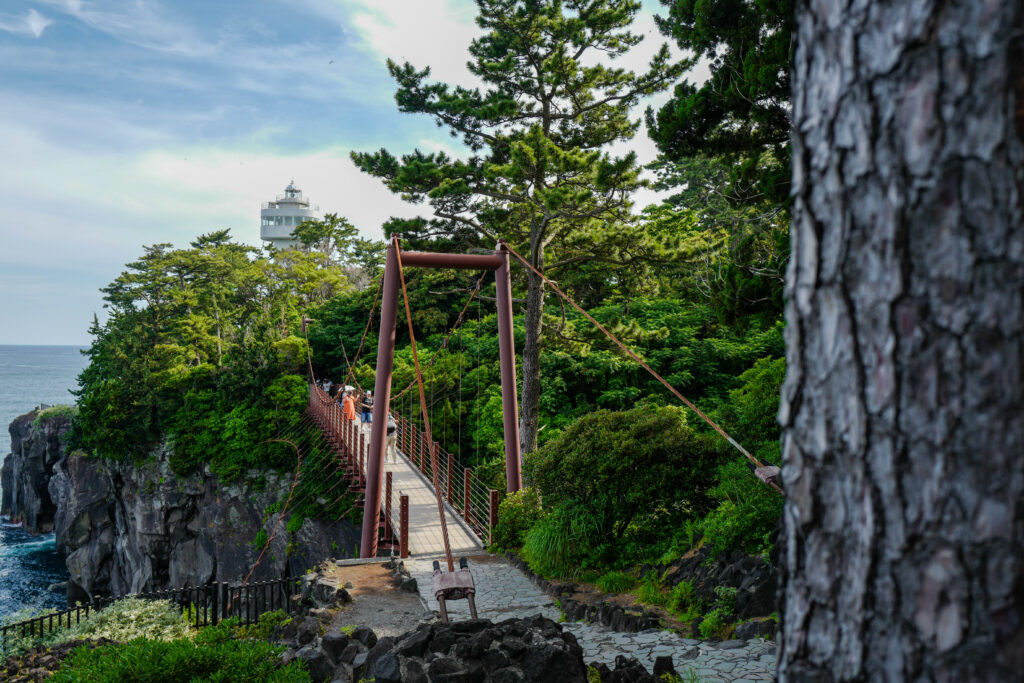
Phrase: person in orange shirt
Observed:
(348, 406)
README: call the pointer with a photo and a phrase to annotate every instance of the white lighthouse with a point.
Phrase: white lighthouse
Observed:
(279, 217)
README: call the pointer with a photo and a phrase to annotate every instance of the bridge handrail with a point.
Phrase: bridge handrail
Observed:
(467, 495)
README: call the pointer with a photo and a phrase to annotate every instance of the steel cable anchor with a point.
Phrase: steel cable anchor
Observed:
(457, 585)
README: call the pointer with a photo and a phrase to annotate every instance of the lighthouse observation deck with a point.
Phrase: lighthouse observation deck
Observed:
(279, 218)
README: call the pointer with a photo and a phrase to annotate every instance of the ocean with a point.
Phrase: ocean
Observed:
(30, 375)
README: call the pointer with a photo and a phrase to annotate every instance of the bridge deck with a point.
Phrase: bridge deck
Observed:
(425, 539)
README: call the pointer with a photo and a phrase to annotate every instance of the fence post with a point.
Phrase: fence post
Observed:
(214, 603)
(387, 507)
(465, 493)
(404, 521)
(493, 518)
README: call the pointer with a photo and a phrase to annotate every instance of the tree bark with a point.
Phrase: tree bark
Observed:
(529, 406)
(903, 407)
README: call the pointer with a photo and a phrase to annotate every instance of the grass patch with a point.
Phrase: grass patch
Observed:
(650, 591)
(215, 655)
(615, 582)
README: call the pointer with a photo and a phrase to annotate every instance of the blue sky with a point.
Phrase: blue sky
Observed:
(131, 122)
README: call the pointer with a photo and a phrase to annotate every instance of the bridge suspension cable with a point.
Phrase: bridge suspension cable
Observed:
(635, 356)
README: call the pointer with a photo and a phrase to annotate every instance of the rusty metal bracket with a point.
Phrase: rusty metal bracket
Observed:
(457, 585)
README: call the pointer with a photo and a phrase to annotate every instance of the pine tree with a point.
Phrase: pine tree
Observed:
(538, 174)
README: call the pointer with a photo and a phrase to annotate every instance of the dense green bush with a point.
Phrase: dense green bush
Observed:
(214, 656)
(747, 513)
(682, 600)
(560, 543)
(634, 474)
(517, 513)
(615, 582)
(650, 591)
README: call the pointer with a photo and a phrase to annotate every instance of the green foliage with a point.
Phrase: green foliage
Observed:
(124, 620)
(715, 625)
(746, 515)
(633, 474)
(651, 592)
(742, 109)
(517, 513)
(558, 544)
(61, 410)
(751, 409)
(725, 600)
(260, 540)
(264, 628)
(682, 600)
(615, 582)
(214, 656)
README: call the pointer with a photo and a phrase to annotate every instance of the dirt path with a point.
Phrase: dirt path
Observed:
(376, 601)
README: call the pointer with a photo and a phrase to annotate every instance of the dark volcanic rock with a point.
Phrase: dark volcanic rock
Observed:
(27, 470)
(512, 651)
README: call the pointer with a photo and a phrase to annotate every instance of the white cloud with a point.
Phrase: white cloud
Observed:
(434, 33)
(32, 24)
(144, 23)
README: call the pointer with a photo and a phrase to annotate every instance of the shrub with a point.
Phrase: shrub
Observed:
(60, 410)
(725, 600)
(615, 582)
(516, 515)
(633, 473)
(746, 515)
(558, 545)
(123, 620)
(714, 625)
(264, 628)
(682, 600)
(215, 656)
(650, 592)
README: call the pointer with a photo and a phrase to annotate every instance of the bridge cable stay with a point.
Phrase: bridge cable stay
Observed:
(362, 340)
(458, 323)
(294, 437)
(632, 354)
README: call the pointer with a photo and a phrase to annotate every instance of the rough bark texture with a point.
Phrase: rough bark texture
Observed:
(529, 406)
(904, 404)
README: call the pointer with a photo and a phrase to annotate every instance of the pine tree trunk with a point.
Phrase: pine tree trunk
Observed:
(529, 408)
(903, 407)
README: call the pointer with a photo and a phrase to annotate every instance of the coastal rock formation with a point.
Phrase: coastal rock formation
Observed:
(127, 527)
(35, 451)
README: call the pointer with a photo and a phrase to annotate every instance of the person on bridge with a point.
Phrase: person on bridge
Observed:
(368, 407)
(348, 406)
(392, 438)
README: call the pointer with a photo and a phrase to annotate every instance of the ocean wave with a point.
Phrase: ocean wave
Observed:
(29, 548)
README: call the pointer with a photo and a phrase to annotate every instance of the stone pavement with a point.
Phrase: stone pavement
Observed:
(504, 592)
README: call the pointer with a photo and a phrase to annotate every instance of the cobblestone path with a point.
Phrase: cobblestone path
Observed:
(504, 592)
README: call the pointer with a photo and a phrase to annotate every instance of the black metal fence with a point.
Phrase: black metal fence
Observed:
(204, 605)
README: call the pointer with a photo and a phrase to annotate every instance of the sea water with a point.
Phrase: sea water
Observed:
(30, 376)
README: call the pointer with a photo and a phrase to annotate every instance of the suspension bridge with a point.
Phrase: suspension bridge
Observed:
(400, 498)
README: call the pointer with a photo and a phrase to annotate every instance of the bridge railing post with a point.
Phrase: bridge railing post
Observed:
(492, 520)
(387, 507)
(404, 522)
(466, 504)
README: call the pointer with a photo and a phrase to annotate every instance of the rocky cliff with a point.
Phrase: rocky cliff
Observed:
(37, 445)
(127, 527)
